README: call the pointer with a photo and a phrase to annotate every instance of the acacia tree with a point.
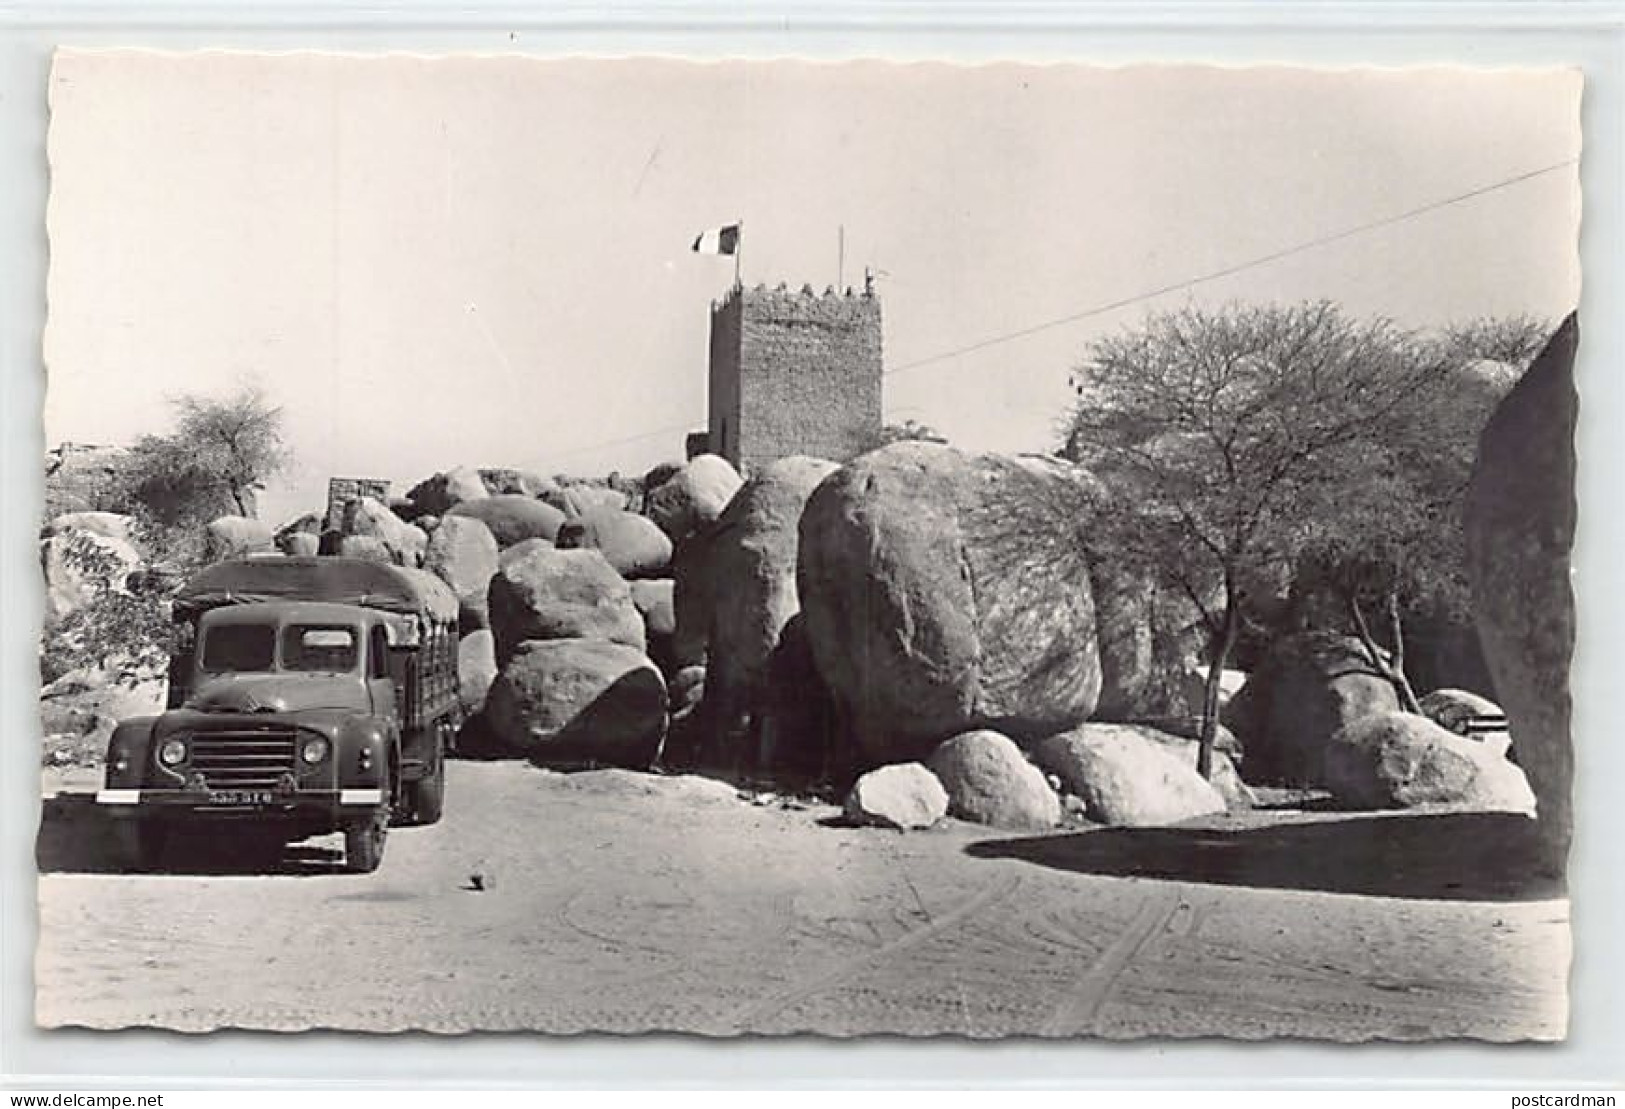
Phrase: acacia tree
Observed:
(219, 455)
(1210, 429)
(1385, 537)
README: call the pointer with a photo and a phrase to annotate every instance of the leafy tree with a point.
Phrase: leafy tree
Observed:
(124, 628)
(219, 455)
(1212, 431)
(1513, 340)
(1384, 537)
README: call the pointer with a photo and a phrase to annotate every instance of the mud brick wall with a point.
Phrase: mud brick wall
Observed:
(794, 373)
(342, 490)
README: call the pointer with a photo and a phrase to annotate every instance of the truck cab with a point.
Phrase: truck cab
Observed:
(290, 717)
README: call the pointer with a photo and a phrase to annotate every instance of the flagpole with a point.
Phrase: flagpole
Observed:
(739, 253)
(840, 256)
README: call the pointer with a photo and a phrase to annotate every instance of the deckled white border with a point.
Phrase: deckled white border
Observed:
(1385, 33)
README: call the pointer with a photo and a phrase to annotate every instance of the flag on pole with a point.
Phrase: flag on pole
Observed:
(720, 240)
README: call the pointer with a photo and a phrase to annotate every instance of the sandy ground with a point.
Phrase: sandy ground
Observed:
(624, 903)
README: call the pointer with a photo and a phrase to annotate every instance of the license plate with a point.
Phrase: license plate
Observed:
(240, 797)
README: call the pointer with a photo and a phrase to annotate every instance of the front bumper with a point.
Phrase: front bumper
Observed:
(239, 802)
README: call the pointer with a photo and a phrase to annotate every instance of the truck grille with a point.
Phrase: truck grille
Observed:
(245, 759)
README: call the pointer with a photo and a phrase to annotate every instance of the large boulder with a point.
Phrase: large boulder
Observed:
(463, 553)
(1401, 760)
(797, 732)
(693, 498)
(527, 483)
(692, 599)
(945, 591)
(631, 543)
(476, 668)
(1520, 533)
(512, 518)
(1468, 714)
(299, 544)
(371, 517)
(653, 598)
(80, 566)
(368, 547)
(110, 525)
(752, 548)
(579, 700)
(584, 497)
(236, 536)
(989, 781)
(1305, 689)
(1125, 775)
(546, 593)
(89, 704)
(85, 478)
(437, 495)
(903, 795)
(287, 540)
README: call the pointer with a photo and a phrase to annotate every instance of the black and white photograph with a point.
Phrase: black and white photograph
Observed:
(752, 548)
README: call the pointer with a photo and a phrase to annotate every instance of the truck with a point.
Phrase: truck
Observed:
(307, 695)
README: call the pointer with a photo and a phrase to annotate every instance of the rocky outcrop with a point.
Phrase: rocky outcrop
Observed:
(989, 781)
(1468, 714)
(945, 591)
(542, 593)
(1305, 690)
(653, 598)
(1130, 777)
(463, 554)
(85, 479)
(368, 547)
(235, 537)
(752, 549)
(1401, 760)
(1520, 534)
(367, 516)
(439, 494)
(694, 497)
(903, 795)
(579, 701)
(476, 668)
(526, 483)
(299, 544)
(579, 498)
(82, 565)
(630, 543)
(512, 518)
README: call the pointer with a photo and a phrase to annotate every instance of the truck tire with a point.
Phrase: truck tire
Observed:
(426, 797)
(364, 844)
(141, 843)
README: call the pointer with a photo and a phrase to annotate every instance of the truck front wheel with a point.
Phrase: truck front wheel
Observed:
(364, 844)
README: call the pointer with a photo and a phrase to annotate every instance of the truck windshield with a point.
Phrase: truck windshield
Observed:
(324, 647)
(239, 647)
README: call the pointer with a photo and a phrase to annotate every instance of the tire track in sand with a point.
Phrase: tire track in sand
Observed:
(1162, 912)
(765, 1008)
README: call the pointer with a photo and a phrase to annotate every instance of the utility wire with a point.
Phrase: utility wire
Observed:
(1228, 271)
(1214, 275)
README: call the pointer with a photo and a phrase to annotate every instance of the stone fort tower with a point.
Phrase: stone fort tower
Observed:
(794, 373)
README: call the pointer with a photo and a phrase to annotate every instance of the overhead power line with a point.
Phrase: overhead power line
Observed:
(1228, 271)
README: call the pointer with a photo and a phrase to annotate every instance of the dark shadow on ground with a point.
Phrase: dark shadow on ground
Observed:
(1439, 856)
(77, 836)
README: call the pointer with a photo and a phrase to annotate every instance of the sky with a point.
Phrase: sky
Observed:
(428, 262)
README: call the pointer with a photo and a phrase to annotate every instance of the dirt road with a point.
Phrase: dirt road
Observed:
(625, 903)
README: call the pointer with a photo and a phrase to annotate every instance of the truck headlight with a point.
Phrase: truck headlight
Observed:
(172, 753)
(314, 750)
